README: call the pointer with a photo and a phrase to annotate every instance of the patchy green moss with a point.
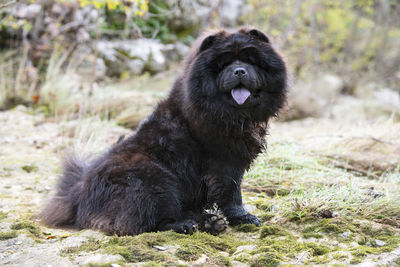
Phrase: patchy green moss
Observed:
(329, 226)
(137, 248)
(153, 264)
(320, 259)
(243, 257)
(275, 230)
(312, 235)
(189, 252)
(224, 242)
(29, 226)
(391, 243)
(339, 256)
(91, 245)
(317, 249)
(247, 228)
(3, 215)
(140, 248)
(287, 247)
(268, 259)
(29, 168)
(361, 240)
(8, 235)
(355, 260)
(266, 216)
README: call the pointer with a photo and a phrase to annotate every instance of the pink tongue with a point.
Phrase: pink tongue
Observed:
(240, 95)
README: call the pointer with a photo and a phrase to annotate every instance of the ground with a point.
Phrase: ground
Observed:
(327, 192)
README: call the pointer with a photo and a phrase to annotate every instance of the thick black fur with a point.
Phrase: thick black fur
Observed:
(189, 154)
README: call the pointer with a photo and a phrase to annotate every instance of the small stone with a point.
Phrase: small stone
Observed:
(345, 235)
(73, 242)
(160, 248)
(243, 248)
(201, 261)
(99, 258)
(378, 243)
(354, 244)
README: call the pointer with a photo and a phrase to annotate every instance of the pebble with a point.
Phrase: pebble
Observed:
(201, 261)
(345, 235)
(379, 243)
(354, 244)
(243, 248)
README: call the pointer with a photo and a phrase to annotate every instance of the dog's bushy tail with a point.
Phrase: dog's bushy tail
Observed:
(61, 209)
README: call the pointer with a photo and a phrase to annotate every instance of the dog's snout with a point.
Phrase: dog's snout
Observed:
(239, 72)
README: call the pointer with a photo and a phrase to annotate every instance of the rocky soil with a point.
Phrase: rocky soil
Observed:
(326, 192)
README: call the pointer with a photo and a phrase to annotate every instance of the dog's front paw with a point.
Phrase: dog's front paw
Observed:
(214, 224)
(245, 219)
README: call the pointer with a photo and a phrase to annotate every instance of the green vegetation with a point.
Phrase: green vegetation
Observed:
(3, 215)
(8, 235)
(28, 226)
(304, 29)
(29, 168)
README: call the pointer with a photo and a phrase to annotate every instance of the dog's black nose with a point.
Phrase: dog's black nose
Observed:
(239, 72)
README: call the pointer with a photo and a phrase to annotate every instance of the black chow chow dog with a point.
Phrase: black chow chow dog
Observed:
(190, 153)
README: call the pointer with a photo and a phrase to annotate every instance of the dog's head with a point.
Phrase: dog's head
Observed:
(236, 75)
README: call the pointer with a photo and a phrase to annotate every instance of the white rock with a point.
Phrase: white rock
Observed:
(133, 55)
(379, 243)
(100, 258)
(387, 96)
(74, 241)
(345, 235)
(201, 261)
(354, 244)
(244, 248)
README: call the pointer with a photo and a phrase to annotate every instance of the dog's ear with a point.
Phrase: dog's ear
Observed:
(259, 35)
(207, 42)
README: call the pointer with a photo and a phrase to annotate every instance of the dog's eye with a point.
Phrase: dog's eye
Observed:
(224, 60)
(248, 55)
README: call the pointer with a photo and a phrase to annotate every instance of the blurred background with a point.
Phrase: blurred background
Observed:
(116, 59)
